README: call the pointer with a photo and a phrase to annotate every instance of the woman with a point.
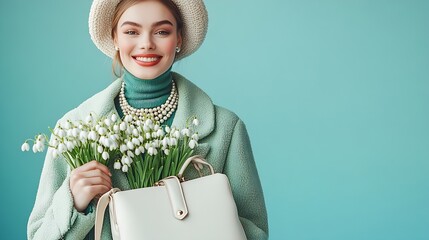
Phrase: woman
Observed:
(145, 37)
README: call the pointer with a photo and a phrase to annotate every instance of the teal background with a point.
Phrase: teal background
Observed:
(334, 95)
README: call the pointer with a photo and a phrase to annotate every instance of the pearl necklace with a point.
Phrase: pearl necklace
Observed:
(160, 113)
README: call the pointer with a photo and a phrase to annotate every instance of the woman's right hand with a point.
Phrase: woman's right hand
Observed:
(88, 181)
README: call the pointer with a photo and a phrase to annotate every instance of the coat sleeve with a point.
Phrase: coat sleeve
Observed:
(54, 215)
(245, 184)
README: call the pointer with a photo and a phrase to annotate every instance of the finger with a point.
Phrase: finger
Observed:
(97, 190)
(85, 182)
(95, 173)
(93, 165)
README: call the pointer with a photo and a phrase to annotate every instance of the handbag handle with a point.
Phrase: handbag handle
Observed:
(101, 208)
(196, 160)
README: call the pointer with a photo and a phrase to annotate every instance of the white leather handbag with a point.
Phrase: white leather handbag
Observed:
(202, 208)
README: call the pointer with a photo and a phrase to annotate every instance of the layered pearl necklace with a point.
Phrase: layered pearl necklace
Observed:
(160, 113)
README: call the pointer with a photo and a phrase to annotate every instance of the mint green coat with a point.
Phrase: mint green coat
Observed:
(224, 143)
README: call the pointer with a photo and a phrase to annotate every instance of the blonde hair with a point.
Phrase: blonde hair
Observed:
(121, 8)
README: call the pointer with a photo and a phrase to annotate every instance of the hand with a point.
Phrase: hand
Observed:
(88, 181)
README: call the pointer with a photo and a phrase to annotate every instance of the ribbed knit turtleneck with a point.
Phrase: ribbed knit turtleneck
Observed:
(146, 93)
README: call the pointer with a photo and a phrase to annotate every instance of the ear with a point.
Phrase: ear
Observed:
(179, 40)
(115, 40)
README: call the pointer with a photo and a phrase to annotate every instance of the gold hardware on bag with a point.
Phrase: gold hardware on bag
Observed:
(158, 184)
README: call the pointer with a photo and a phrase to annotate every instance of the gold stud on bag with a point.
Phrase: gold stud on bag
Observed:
(202, 208)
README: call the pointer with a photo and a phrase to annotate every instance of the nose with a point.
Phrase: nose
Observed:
(146, 42)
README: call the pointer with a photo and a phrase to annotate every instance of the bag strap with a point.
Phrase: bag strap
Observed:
(100, 210)
(198, 161)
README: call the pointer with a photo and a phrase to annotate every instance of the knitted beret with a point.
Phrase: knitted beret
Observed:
(193, 13)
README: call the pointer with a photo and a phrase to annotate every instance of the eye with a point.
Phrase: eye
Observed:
(162, 33)
(130, 32)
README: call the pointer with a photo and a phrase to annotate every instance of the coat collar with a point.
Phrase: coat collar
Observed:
(192, 102)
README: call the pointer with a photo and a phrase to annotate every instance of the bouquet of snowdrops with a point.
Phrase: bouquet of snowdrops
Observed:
(141, 148)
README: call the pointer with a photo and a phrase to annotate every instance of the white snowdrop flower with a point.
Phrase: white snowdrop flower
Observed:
(148, 122)
(141, 148)
(67, 125)
(135, 141)
(195, 137)
(103, 140)
(130, 145)
(147, 146)
(117, 165)
(102, 131)
(167, 129)
(135, 132)
(112, 140)
(146, 128)
(69, 146)
(129, 131)
(116, 128)
(108, 122)
(193, 144)
(34, 148)
(151, 151)
(114, 117)
(41, 138)
(61, 133)
(62, 148)
(160, 132)
(137, 151)
(130, 154)
(54, 153)
(54, 142)
(125, 168)
(156, 127)
(138, 123)
(141, 138)
(40, 146)
(166, 151)
(148, 136)
(156, 143)
(176, 134)
(172, 142)
(69, 133)
(105, 155)
(123, 126)
(128, 118)
(80, 126)
(114, 137)
(165, 141)
(25, 147)
(92, 135)
(154, 135)
(123, 148)
(97, 127)
(186, 132)
(88, 119)
(108, 142)
(126, 160)
(83, 135)
(56, 130)
(195, 122)
(100, 149)
(75, 132)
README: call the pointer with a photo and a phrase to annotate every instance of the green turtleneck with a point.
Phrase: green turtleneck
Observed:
(146, 93)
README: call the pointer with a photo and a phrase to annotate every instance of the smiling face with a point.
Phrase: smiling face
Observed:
(147, 37)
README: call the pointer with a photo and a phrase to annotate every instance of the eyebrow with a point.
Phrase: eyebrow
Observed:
(153, 25)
